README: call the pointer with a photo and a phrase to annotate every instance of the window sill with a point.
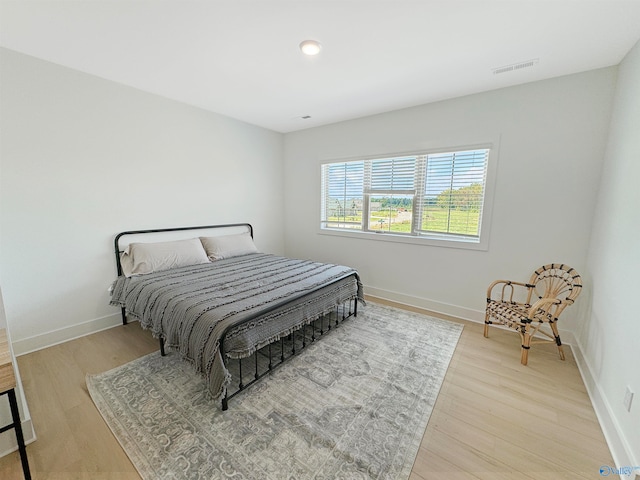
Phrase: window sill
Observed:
(481, 245)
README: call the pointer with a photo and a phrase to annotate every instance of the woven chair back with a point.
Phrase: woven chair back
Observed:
(557, 280)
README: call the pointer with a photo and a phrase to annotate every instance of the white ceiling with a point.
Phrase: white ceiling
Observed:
(240, 57)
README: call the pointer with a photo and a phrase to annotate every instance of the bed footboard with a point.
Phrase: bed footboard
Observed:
(248, 370)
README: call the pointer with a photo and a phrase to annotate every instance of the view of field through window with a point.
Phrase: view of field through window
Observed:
(439, 193)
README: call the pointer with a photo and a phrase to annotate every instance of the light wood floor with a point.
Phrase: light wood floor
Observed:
(493, 419)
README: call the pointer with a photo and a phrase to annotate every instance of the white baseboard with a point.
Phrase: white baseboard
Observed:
(427, 304)
(55, 337)
(620, 449)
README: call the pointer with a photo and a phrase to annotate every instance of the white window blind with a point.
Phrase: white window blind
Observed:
(424, 195)
(343, 192)
(393, 174)
(389, 200)
(454, 192)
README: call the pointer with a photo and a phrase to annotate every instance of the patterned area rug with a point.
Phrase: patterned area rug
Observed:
(352, 405)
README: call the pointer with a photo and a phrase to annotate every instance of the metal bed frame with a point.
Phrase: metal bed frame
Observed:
(348, 309)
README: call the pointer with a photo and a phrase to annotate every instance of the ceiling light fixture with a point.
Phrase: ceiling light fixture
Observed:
(310, 47)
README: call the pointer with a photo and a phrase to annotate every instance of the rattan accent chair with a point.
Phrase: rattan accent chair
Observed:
(551, 288)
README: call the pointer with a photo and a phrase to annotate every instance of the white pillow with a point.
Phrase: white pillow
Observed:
(126, 262)
(155, 257)
(227, 246)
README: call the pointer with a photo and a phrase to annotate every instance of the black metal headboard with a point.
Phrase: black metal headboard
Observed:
(120, 236)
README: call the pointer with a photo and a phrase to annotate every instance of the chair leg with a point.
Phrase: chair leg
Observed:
(525, 336)
(554, 328)
(486, 326)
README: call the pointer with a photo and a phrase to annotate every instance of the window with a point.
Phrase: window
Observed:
(429, 195)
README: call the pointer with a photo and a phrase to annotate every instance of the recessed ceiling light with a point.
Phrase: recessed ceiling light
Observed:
(310, 47)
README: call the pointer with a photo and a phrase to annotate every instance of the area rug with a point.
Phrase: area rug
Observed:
(352, 405)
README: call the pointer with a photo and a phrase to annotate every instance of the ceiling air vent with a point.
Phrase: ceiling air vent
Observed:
(515, 66)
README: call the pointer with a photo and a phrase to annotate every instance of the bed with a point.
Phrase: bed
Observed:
(233, 312)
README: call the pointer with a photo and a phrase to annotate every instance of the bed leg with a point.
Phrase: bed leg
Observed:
(293, 343)
(225, 403)
(256, 358)
(355, 307)
(162, 352)
(281, 349)
(124, 316)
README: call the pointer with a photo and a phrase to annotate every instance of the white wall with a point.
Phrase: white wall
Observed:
(551, 136)
(609, 337)
(85, 158)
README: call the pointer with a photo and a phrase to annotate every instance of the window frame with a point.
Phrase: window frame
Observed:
(450, 240)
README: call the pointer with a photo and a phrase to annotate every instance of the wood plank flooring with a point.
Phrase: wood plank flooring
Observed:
(493, 419)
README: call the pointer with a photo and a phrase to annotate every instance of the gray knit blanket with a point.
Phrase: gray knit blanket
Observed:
(191, 308)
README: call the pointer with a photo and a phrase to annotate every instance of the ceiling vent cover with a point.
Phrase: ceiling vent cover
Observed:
(515, 66)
